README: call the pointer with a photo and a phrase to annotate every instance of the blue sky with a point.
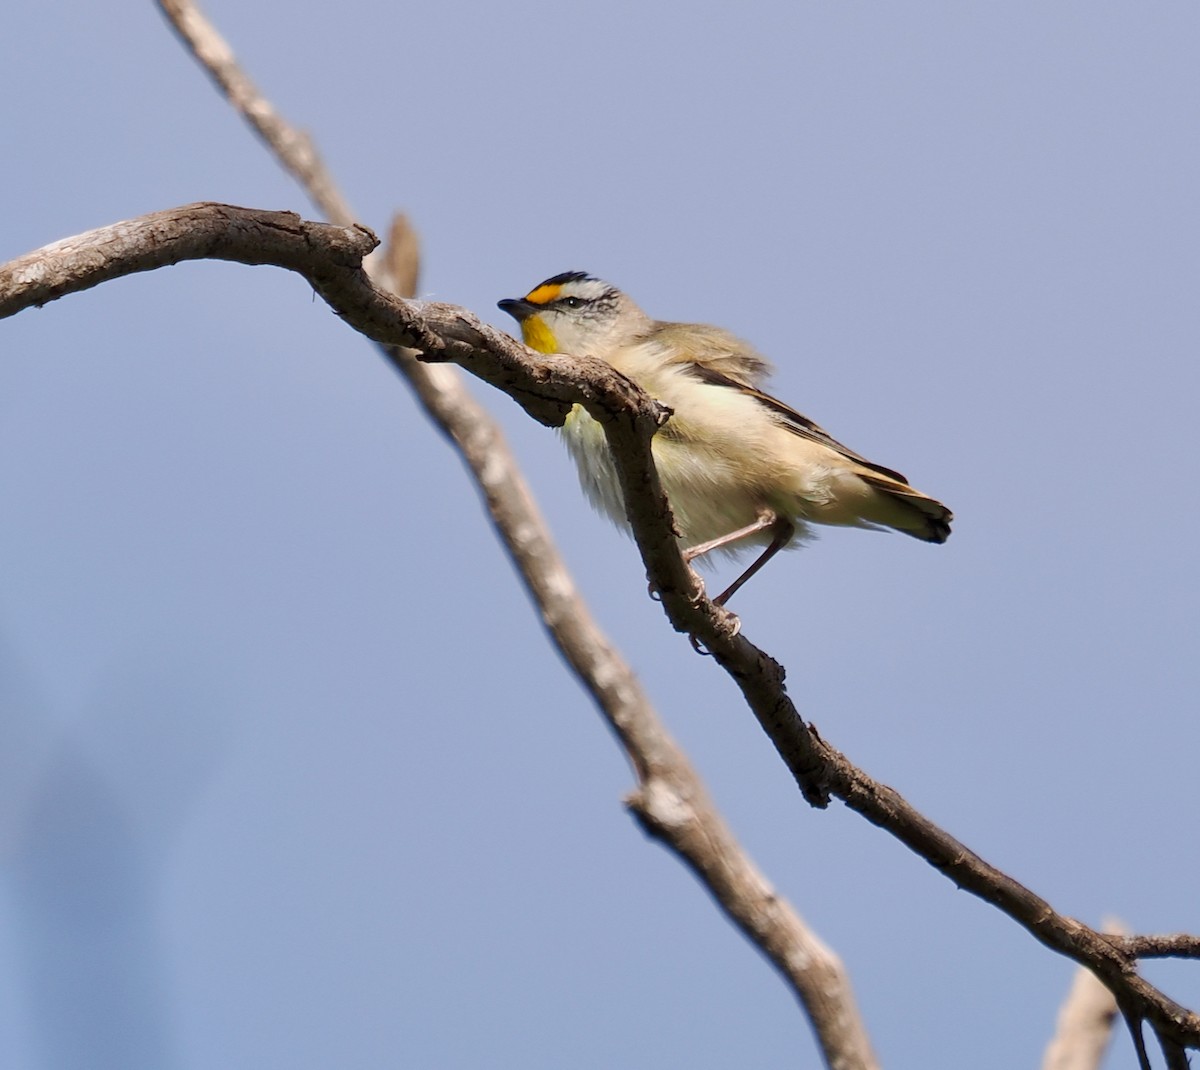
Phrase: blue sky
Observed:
(289, 776)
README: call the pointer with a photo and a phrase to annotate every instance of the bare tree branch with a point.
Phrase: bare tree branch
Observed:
(1085, 1024)
(1134, 1024)
(629, 418)
(402, 257)
(1173, 1051)
(195, 232)
(293, 148)
(546, 388)
(671, 800)
(1178, 945)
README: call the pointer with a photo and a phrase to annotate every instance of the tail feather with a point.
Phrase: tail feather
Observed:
(920, 516)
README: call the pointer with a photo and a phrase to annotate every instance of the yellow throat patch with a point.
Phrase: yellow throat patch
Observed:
(537, 335)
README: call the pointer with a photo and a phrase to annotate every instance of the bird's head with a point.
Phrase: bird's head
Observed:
(575, 313)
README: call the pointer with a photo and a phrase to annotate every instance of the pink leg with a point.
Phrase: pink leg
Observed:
(784, 529)
(766, 519)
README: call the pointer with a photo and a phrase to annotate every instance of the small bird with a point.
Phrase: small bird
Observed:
(740, 468)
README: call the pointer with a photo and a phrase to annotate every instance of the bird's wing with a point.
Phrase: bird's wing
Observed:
(789, 418)
(716, 356)
(712, 349)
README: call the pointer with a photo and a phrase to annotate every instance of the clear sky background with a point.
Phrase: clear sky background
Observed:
(289, 775)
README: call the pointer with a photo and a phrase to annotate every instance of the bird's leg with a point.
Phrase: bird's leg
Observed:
(766, 519)
(783, 530)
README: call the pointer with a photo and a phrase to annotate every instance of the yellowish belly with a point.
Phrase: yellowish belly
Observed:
(707, 497)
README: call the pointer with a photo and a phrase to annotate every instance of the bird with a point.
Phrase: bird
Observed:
(741, 468)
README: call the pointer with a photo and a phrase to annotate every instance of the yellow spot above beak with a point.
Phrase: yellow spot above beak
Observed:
(535, 332)
(543, 295)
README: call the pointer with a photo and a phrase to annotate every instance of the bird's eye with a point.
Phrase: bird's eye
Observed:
(573, 302)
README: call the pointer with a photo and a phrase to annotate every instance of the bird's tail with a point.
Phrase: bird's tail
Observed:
(908, 510)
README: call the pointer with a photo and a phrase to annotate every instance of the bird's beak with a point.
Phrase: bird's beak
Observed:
(517, 307)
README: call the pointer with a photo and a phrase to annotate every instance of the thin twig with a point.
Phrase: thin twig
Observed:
(1177, 945)
(1133, 1022)
(1175, 1054)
